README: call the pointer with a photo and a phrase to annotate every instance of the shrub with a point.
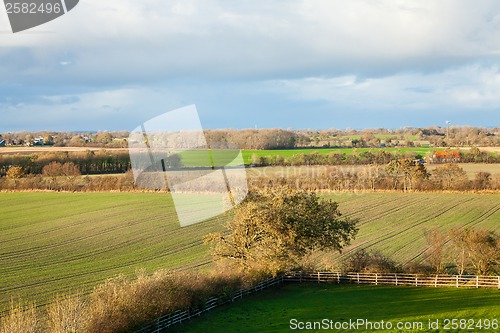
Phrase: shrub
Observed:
(369, 262)
(67, 314)
(20, 319)
(15, 172)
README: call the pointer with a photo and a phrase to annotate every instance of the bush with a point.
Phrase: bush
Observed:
(20, 319)
(67, 314)
(15, 172)
(369, 262)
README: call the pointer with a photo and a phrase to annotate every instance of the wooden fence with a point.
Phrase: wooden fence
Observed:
(418, 280)
(168, 320)
(457, 281)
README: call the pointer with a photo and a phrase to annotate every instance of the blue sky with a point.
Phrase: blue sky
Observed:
(111, 65)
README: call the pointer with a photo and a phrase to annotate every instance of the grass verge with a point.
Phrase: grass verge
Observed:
(273, 310)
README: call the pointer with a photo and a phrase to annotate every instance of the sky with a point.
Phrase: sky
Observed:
(319, 64)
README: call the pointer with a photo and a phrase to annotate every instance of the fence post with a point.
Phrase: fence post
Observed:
(376, 279)
(499, 282)
(338, 278)
(416, 280)
(396, 276)
(477, 281)
(358, 280)
(436, 281)
(319, 278)
(457, 281)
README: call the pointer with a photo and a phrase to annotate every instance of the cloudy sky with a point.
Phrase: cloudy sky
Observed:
(111, 65)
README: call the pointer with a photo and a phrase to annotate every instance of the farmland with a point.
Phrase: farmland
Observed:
(55, 242)
(272, 310)
(394, 223)
(200, 157)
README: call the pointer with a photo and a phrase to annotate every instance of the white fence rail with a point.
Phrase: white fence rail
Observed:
(168, 320)
(457, 281)
(418, 280)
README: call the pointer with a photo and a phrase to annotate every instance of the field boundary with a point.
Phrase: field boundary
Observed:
(395, 279)
(168, 320)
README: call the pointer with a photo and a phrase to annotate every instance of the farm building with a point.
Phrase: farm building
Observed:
(2, 143)
(445, 156)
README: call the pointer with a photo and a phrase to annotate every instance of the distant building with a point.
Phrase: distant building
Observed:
(445, 156)
(38, 141)
(2, 143)
(422, 143)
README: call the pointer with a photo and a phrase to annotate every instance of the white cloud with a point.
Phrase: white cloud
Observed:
(471, 87)
(218, 38)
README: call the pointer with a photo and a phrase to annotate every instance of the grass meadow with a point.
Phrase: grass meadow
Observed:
(225, 157)
(273, 310)
(54, 243)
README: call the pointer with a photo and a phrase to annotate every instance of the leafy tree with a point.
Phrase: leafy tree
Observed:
(482, 180)
(274, 227)
(68, 171)
(104, 137)
(15, 172)
(407, 170)
(48, 140)
(450, 176)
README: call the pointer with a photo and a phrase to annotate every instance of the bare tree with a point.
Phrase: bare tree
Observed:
(478, 248)
(436, 241)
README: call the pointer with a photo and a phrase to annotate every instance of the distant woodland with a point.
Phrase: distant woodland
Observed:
(452, 136)
(383, 169)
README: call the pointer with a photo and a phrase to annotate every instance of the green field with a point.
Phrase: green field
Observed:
(224, 157)
(380, 136)
(394, 223)
(56, 242)
(273, 310)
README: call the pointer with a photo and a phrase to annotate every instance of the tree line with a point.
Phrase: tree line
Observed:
(399, 175)
(275, 138)
(88, 162)
(111, 162)
(459, 251)
(379, 157)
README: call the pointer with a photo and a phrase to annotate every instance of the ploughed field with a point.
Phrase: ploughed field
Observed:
(54, 243)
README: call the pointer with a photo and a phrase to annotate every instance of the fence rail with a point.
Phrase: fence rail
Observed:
(457, 281)
(418, 280)
(168, 320)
